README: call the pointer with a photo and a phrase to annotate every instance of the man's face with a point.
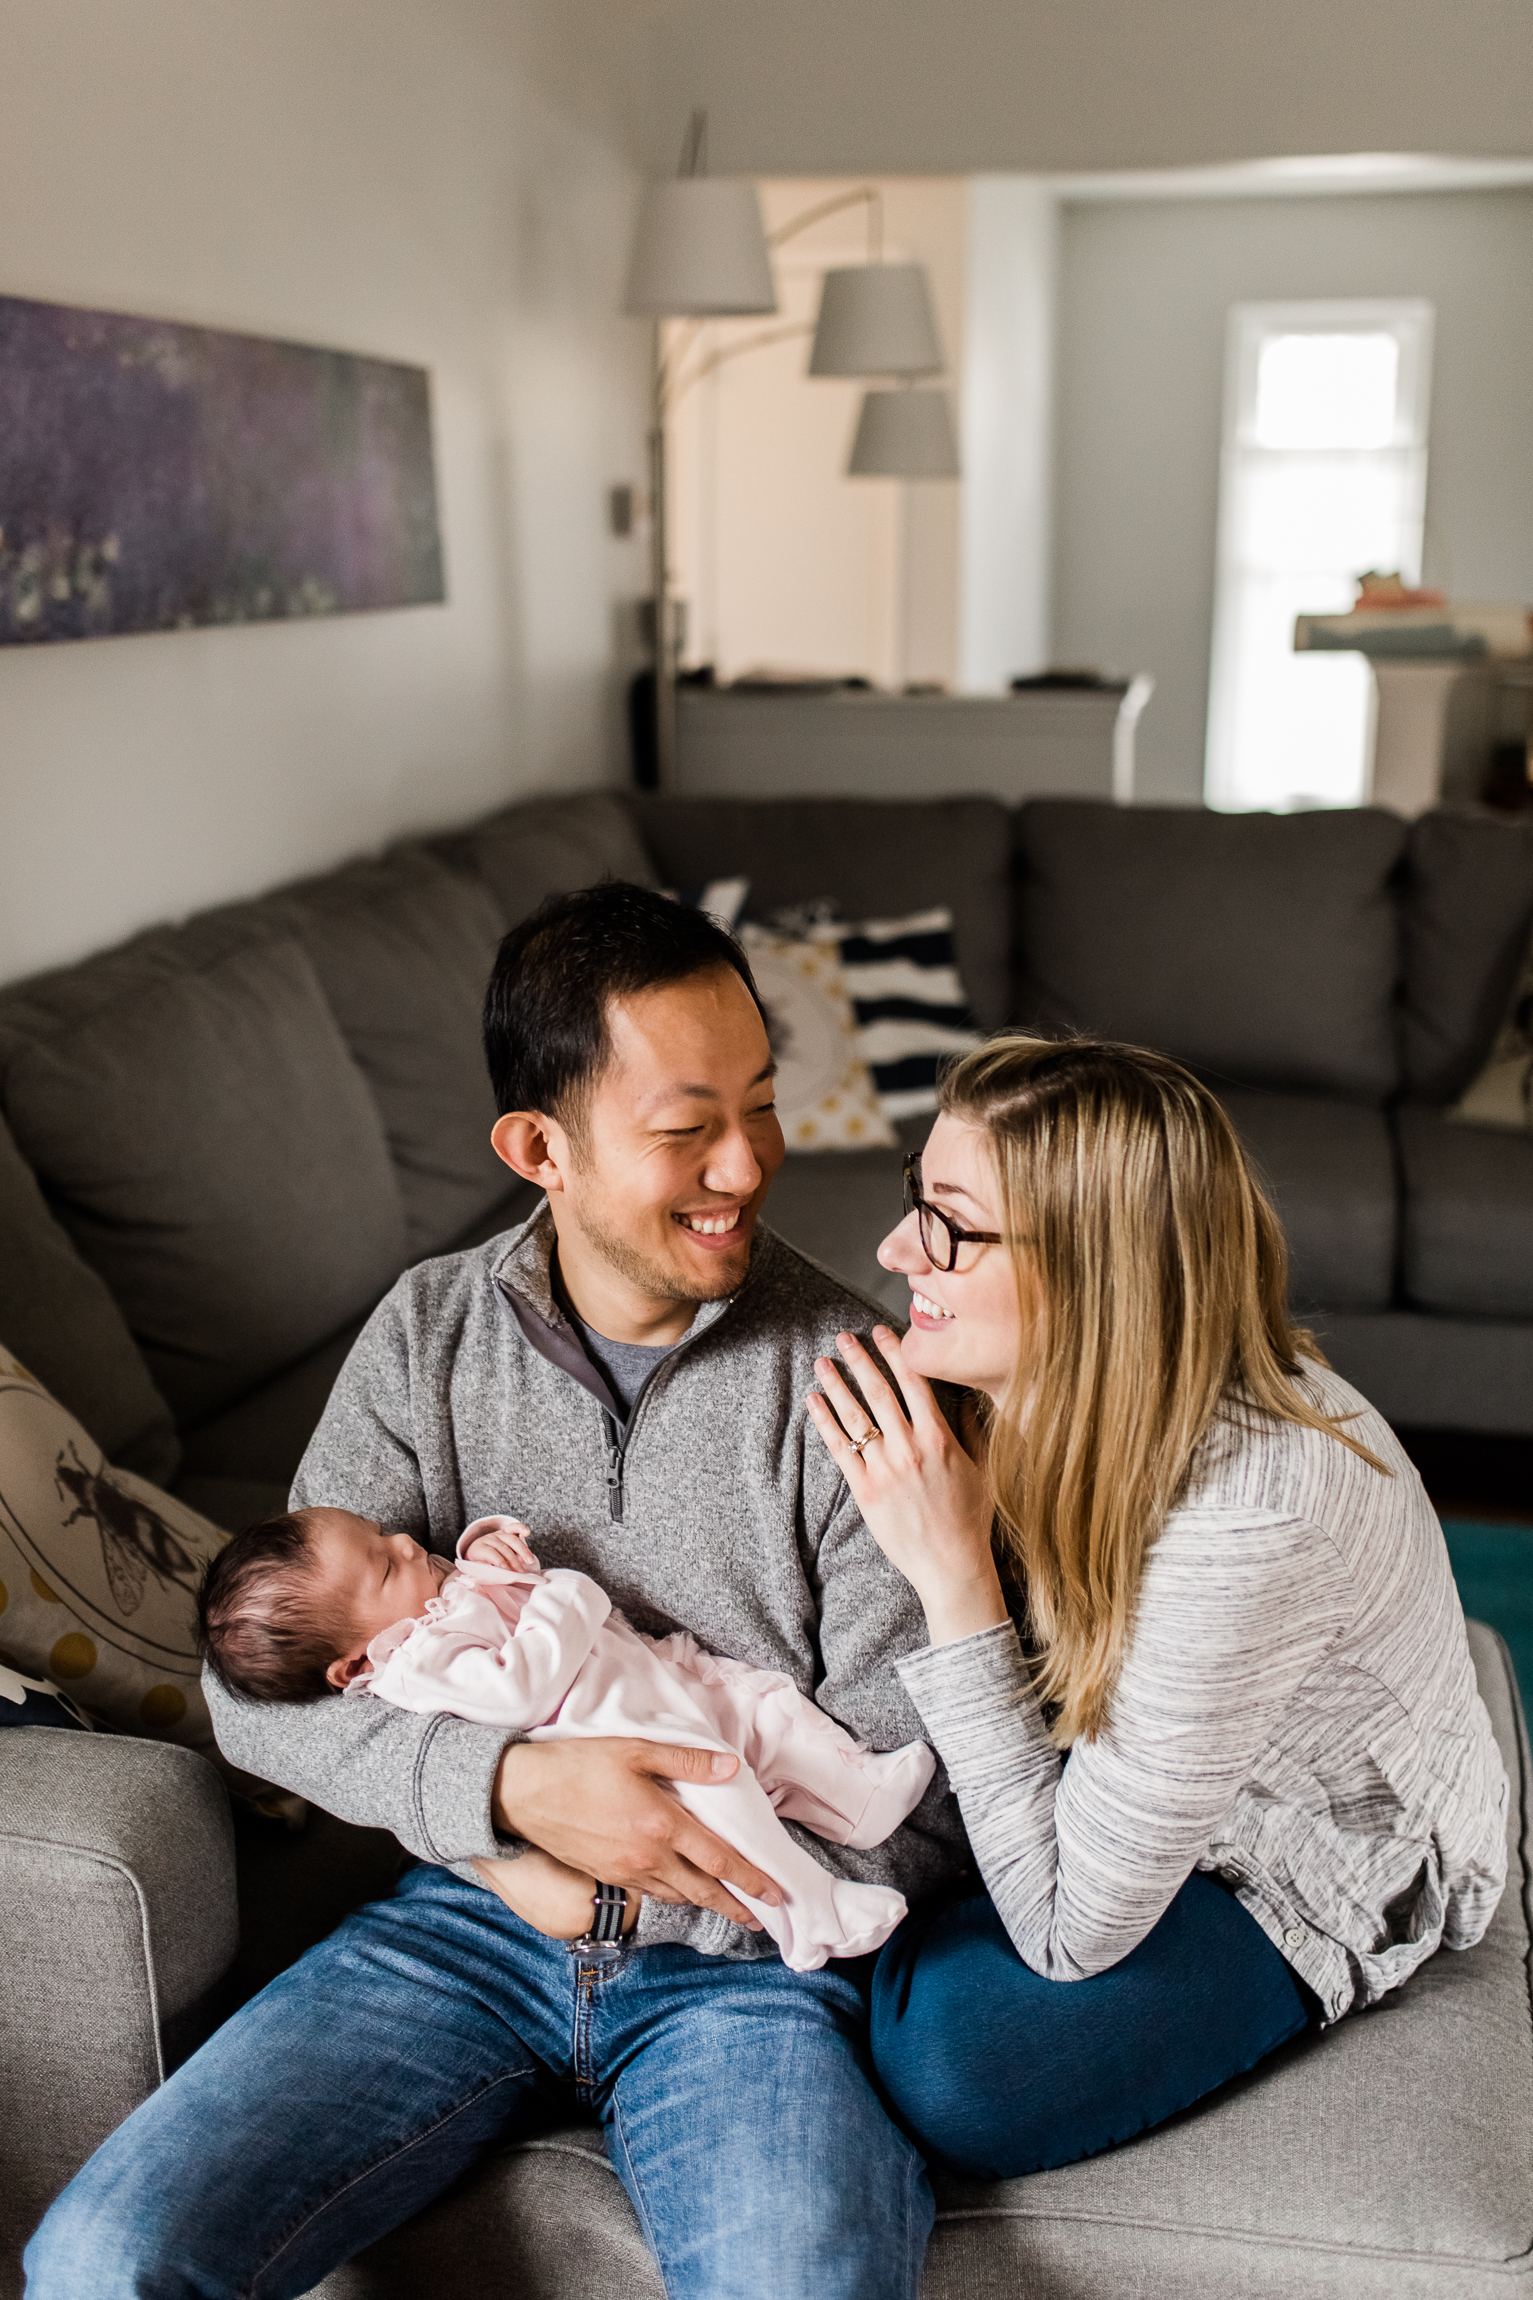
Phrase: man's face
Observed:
(680, 1141)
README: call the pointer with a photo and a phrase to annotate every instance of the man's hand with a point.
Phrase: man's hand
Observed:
(551, 1898)
(598, 1807)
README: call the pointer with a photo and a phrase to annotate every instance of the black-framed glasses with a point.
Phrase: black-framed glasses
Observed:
(940, 1235)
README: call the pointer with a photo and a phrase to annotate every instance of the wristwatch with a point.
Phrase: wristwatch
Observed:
(604, 1939)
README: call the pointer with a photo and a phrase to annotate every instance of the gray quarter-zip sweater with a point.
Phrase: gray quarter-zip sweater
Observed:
(715, 1509)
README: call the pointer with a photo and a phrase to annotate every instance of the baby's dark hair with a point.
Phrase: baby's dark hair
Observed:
(257, 1627)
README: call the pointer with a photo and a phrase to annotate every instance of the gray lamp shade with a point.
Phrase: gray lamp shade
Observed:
(904, 435)
(876, 319)
(701, 252)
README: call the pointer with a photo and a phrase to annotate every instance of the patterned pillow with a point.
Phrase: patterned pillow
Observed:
(911, 1007)
(33, 1701)
(825, 1097)
(98, 1573)
(1502, 1095)
(722, 898)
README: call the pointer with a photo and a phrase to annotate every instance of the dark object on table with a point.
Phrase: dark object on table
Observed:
(641, 721)
(1063, 681)
(642, 753)
(793, 683)
(1506, 782)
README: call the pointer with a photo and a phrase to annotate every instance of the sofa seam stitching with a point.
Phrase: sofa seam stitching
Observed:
(1211, 2232)
(116, 1863)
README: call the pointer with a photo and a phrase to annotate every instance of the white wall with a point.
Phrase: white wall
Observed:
(443, 184)
(1144, 293)
(1008, 430)
(974, 86)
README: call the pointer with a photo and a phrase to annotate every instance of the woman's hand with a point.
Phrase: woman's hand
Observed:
(548, 1896)
(922, 1498)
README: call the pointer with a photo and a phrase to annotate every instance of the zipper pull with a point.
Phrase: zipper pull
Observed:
(614, 1470)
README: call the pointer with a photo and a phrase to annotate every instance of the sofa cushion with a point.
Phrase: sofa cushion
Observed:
(1330, 1170)
(1425, 1371)
(1328, 1166)
(403, 950)
(1263, 948)
(192, 1113)
(1467, 916)
(550, 846)
(839, 1206)
(58, 1317)
(1384, 2159)
(874, 858)
(260, 1438)
(233, 1502)
(1468, 1232)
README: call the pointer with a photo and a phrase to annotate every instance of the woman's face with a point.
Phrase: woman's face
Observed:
(965, 1323)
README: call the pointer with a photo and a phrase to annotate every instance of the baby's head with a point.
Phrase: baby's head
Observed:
(288, 1608)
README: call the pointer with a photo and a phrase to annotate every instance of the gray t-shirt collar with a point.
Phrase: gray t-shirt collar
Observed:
(524, 1278)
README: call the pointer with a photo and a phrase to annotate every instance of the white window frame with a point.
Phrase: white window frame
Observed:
(1251, 325)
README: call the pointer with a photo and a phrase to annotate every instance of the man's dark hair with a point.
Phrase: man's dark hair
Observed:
(255, 1630)
(546, 1038)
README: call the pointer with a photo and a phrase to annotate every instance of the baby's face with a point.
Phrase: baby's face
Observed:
(369, 1576)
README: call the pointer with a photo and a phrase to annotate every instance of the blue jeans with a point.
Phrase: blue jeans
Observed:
(736, 2101)
(996, 2072)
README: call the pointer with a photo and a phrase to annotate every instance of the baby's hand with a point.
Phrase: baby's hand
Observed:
(504, 1542)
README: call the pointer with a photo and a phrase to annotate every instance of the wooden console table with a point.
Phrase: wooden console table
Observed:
(1043, 742)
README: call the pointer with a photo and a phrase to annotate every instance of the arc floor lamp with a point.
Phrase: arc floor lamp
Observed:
(702, 252)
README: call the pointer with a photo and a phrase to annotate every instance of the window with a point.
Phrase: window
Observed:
(1323, 477)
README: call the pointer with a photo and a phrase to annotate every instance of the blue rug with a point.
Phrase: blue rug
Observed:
(1493, 1566)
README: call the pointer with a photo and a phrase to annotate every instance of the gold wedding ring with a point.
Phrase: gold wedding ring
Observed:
(866, 1439)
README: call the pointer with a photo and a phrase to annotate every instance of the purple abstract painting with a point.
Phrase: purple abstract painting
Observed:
(154, 477)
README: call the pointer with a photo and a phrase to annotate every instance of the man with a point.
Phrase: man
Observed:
(627, 1373)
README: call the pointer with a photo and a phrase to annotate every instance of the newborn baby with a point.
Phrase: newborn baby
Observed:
(320, 1601)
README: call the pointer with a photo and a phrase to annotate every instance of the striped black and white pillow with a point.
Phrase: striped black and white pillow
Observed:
(901, 975)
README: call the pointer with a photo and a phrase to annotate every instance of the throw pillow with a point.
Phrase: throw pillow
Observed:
(722, 898)
(1502, 1095)
(912, 1011)
(33, 1701)
(550, 846)
(98, 1573)
(825, 1097)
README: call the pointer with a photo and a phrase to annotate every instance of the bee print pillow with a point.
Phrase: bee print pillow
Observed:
(98, 1574)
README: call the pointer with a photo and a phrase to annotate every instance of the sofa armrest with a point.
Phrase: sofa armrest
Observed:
(118, 1921)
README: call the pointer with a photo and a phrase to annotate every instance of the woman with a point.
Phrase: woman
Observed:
(1238, 1623)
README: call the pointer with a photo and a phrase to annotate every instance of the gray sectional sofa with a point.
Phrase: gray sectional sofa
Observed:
(222, 1142)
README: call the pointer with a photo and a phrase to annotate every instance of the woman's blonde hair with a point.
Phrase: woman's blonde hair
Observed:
(1153, 1280)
